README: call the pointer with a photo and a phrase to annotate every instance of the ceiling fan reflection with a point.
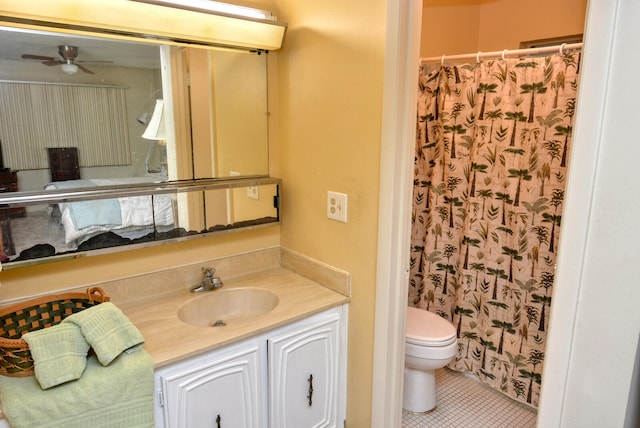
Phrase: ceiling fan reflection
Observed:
(68, 60)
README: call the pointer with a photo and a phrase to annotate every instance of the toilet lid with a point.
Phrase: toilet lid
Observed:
(428, 329)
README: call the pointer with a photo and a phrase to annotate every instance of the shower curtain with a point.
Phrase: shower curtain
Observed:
(492, 147)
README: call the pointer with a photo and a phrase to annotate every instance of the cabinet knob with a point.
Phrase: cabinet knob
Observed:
(310, 396)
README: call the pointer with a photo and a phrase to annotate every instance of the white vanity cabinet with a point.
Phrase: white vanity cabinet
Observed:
(304, 375)
(219, 390)
(293, 376)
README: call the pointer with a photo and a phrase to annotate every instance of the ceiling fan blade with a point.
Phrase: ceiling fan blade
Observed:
(52, 63)
(38, 57)
(95, 62)
(85, 69)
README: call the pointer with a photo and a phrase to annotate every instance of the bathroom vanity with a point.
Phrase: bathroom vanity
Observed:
(282, 368)
(292, 376)
(267, 349)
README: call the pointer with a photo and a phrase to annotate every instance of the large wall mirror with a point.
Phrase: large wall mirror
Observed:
(114, 142)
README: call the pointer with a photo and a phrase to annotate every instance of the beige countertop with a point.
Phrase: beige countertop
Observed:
(168, 339)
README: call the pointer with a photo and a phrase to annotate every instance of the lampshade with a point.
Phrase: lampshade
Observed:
(155, 130)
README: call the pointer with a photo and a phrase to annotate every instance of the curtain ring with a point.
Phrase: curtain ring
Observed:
(442, 60)
(478, 56)
(504, 52)
(562, 48)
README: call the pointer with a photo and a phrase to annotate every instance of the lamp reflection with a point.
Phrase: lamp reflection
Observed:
(156, 133)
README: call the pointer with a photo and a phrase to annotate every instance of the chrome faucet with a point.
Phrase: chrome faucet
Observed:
(209, 282)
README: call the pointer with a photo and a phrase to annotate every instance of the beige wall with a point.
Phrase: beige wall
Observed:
(330, 104)
(465, 26)
(506, 23)
(449, 27)
(239, 112)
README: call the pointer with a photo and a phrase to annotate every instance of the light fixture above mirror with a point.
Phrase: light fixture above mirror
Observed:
(232, 22)
(210, 6)
(190, 24)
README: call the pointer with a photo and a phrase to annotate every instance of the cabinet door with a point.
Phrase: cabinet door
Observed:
(303, 375)
(223, 392)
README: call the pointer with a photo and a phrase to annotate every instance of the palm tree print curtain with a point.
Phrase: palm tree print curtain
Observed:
(490, 169)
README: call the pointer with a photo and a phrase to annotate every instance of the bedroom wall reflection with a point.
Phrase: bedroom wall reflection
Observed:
(105, 106)
(57, 109)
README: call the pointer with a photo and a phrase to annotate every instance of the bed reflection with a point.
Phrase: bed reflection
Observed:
(130, 217)
(69, 227)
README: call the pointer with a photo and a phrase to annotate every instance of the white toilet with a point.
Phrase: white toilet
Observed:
(430, 344)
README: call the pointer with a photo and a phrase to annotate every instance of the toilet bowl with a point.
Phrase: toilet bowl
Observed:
(430, 344)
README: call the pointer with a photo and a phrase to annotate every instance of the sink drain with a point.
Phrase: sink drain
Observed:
(218, 323)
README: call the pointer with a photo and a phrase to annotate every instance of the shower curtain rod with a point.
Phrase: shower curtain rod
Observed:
(504, 53)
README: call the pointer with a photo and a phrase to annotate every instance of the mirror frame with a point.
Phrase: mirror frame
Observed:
(146, 189)
(129, 20)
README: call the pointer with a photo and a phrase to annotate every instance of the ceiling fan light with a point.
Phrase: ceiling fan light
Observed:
(69, 68)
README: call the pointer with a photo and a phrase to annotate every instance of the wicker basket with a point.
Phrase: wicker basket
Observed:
(36, 314)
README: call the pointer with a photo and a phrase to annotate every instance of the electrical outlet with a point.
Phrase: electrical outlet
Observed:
(253, 193)
(337, 206)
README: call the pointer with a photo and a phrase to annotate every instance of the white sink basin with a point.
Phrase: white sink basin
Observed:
(228, 306)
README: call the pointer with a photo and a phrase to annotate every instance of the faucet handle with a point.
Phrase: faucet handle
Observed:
(208, 272)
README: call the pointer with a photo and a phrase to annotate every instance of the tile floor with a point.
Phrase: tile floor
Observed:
(463, 402)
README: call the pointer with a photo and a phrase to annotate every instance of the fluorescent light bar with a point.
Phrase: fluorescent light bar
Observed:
(214, 6)
(163, 20)
(230, 25)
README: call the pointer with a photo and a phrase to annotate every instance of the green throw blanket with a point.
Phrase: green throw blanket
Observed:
(119, 395)
(114, 390)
